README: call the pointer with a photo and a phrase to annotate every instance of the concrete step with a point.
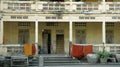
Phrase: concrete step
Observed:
(33, 62)
(58, 60)
(61, 64)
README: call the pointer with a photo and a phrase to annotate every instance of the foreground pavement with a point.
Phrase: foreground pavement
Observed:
(89, 65)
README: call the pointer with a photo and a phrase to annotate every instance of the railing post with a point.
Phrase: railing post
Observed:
(41, 61)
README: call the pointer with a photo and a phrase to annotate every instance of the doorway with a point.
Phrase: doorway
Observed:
(46, 36)
(23, 36)
(59, 43)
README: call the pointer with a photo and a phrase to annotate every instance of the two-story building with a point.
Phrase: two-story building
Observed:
(56, 24)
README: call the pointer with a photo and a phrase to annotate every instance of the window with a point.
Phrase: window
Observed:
(51, 24)
(24, 24)
(80, 36)
(82, 24)
(109, 36)
(23, 36)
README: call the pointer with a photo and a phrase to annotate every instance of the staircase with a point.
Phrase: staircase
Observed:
(33, 62)
(67, 61)
(59, 60)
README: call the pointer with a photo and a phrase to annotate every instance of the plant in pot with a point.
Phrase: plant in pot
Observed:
(92, 58)
(118, 57)
(103, 55)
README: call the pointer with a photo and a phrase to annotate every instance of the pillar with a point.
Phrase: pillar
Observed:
(70, 36)
(1, 31)
(103, 32)
(36, 36)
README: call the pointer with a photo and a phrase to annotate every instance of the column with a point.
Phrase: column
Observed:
(1, 30)
(103, 24)
(103, 0)
(36, 36)
(103, 32)
(70, 31)
(70, 36)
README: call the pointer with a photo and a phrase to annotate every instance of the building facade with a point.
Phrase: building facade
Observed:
(56, 24)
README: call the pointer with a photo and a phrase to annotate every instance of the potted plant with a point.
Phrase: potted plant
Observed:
(104, 55)
(92, 58)
(118, 57)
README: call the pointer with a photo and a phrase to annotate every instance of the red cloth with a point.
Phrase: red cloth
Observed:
(77, 51)
(87, 50)
(33, 49)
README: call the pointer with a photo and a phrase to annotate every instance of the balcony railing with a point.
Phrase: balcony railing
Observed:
(113, 7)
(85, 6)
(56, 7)
(16, 6)
(59, 7)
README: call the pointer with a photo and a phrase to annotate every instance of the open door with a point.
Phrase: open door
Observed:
(46, 36)
(60, 43)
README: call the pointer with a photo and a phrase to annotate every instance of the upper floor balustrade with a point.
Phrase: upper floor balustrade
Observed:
(59, 7)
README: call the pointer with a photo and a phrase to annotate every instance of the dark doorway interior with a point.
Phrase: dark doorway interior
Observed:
(46, 41)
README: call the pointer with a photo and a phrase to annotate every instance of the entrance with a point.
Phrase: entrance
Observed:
(60, 43)
(23, 36)
(46, 36)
